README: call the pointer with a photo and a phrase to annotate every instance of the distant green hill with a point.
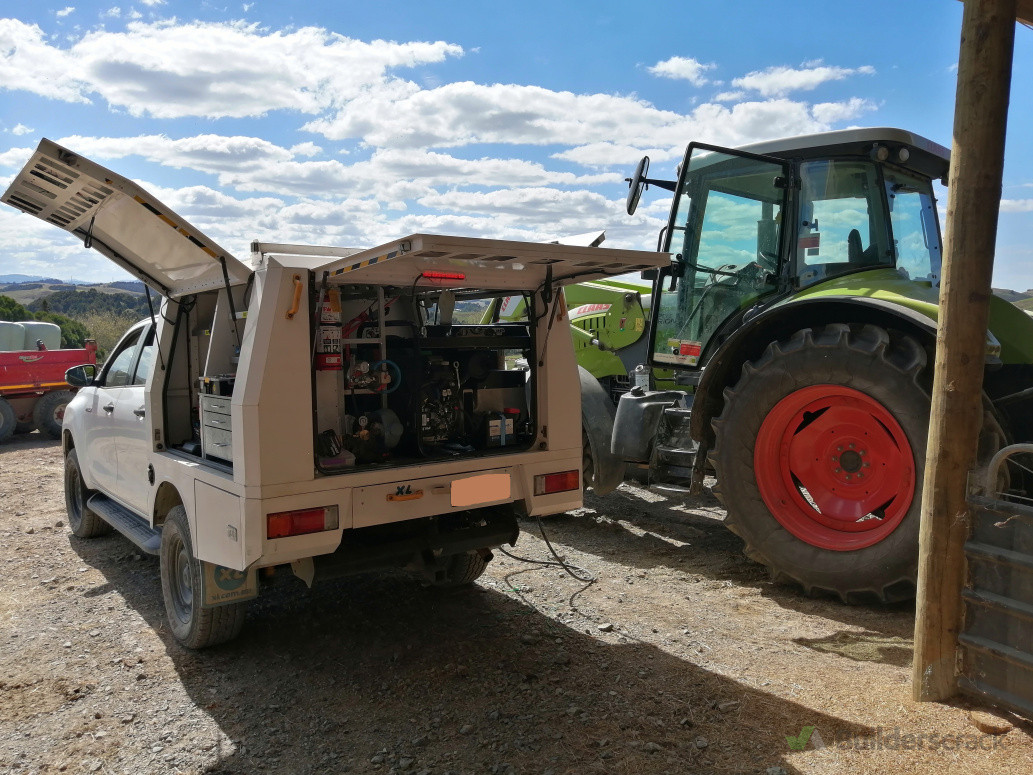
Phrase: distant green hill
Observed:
(100, 311)
(26, 293)
(80, 303)
(1026, 303)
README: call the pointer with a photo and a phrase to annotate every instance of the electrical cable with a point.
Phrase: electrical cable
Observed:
(570, 568)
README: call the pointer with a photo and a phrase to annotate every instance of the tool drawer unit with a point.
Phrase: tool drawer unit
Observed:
(216, 428)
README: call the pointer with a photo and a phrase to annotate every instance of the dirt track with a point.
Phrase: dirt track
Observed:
(681, 658)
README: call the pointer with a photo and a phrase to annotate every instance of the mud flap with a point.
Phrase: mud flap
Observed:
(597, 413)
(221, 585)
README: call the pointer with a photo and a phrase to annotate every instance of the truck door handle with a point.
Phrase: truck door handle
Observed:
(141, 412)
(109, 408)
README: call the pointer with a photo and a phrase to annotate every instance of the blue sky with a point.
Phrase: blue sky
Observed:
(351, 123)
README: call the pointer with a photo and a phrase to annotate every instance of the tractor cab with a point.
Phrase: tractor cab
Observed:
(751, 227)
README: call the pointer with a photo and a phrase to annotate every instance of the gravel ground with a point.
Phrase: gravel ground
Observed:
(681, 657)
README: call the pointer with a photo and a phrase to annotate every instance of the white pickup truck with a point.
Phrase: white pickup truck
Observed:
(317, 408)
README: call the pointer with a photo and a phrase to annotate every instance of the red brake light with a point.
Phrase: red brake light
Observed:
(443, 276)
(564, 481)
(291, 523)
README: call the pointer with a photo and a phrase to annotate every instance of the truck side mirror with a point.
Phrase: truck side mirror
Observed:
(81, 376)
(650, 274)
(636, 184)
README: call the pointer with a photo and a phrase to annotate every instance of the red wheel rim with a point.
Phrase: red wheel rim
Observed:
(834, 467)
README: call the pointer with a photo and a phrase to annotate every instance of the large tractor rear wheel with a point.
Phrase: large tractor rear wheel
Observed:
(820, 459)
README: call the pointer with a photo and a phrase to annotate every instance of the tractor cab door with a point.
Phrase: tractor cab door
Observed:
(726, 230)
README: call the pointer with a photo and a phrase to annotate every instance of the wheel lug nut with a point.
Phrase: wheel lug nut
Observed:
(839, 449)
(851, 446)
(838, 470)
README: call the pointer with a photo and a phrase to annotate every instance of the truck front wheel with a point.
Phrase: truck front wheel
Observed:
(820, 457)
(81, 519)
(192, 625)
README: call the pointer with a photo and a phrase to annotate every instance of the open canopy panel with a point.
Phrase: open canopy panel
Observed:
(472, 262)
(122, 221)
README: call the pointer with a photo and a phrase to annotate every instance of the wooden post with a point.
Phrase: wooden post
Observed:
(973, 201)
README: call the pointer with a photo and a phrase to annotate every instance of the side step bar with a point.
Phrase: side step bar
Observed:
(127, 523)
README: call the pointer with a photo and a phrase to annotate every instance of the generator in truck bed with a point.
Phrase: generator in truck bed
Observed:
(316, 409)
(33, 391)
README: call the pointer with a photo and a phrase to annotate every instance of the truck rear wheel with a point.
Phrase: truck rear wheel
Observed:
(83, 522)
(49, 412)
(7, 420)
(820, 458)
(463, 569)
(192, 625)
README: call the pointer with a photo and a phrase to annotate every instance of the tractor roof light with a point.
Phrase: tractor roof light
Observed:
(879, 152)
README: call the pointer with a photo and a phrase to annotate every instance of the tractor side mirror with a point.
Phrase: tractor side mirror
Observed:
(637, 184)
(81, 376)
(650, 274)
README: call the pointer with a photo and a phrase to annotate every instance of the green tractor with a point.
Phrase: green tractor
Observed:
(799, 317)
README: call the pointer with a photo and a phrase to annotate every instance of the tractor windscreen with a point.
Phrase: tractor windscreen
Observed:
(726, 231)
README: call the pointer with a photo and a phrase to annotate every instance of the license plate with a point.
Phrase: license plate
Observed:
(477, 490)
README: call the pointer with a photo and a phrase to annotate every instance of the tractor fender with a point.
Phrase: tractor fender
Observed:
(753, 337)
(597, 413)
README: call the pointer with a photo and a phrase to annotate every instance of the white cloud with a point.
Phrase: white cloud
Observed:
(608, 154)
(21, 129)
(153, 3)
(29, 63)
(66, 11)
(13, 159)
(306, 149)
(682, 68)
(1016, 205)
(213, 70)
(835, 112)
(779, 81)
(729, 96)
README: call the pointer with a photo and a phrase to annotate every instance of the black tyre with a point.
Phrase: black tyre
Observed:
(192, 625)
(7, 420)
(24, 427)
(820, 455)
(83, 522)
(49, 412)
(463, 569)
(587, 463)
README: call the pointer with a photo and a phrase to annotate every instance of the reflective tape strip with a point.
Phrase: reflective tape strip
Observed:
(367, 262)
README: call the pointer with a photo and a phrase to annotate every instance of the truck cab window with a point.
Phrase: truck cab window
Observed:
(143, 366)
(117, 370)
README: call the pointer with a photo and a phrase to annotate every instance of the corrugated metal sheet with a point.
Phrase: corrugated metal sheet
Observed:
(997, 638)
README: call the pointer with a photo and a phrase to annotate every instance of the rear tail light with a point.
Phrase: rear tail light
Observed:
(564, 481)
(294, 523)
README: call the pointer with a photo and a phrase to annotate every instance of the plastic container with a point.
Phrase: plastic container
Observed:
(50, 333)
(12, 337)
